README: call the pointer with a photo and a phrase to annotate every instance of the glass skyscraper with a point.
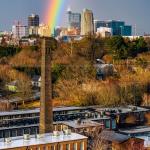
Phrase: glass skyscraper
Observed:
(126, 30)
(118, 27)
(74, 19)
(33, 20)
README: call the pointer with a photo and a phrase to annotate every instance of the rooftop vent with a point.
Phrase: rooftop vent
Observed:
(26, 136)
(56, 133)
(67, 132)
(39, 136)
(7, 140)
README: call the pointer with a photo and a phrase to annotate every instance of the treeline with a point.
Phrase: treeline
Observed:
(6, 51)
(74, 76)
(123, 48)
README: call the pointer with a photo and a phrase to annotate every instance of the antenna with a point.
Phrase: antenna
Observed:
(69, 9)
(135, 30)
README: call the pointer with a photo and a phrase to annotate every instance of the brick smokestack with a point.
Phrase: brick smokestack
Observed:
(46, 108)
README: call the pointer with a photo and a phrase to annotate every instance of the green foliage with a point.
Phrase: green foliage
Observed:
(9, 51)
(57, 72)
(91, 47)
(53, 44)
(122, 48)
(118, 47)
(34, 48)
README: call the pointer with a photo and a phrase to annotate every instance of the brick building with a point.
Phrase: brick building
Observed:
(57, 141)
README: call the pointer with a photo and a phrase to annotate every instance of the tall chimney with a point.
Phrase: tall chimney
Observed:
(46, 108)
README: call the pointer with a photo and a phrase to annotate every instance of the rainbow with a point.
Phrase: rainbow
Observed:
(53, 13)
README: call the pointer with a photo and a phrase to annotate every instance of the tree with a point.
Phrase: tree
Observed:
(99, 143)
(91, 47)
(24, 89)
(118, 47)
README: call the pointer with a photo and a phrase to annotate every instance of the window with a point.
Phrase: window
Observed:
(107, 124)
(82, 146)
(67, 146)
(74, 146)
(60, 147)
(53, 147)
(113, 124)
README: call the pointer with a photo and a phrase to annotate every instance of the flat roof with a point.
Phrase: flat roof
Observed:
(83, 124)
(126, 109)
(113, 136)
(37, 110)
(18, 142)
(135, 130)
(73, 108)
(146, 140)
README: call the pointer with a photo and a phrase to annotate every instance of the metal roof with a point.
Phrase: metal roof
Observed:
(37, 110)
(112, 136)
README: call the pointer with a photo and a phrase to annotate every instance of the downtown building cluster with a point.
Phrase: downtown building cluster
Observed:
(34, 28)
(78, 24)
(82, 24)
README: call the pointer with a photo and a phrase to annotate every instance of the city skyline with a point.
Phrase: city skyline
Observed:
(20, 9)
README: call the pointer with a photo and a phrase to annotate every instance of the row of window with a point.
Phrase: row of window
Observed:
(63, 147)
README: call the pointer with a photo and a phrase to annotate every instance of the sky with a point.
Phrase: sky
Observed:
(131, 11)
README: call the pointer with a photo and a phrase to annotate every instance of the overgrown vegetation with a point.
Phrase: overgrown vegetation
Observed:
(74, 74)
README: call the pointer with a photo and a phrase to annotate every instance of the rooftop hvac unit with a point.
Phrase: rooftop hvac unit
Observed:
(7, 140)
(39, 136)
(56, 133)
(26, 136)
(67, 132)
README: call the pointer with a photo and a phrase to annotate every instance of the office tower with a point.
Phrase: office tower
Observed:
(118, 27)
(57, 31)
(44, 30)
(74, 19)
(33, 20)
(19, 30)
(104, 32)
(98, 24)
(33, 24)
(33, 30)
(126, 30)
(46, 113)
(87, 24)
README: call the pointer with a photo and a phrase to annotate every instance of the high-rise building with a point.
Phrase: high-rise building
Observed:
(33, 24)
(87, 22)
(118, 27)
(19, 31)
(126, 30)
(98, 24)
(44, 30)
(104, 32)
(33, 30)
(74, 19)
(33, 20)
(46, 112)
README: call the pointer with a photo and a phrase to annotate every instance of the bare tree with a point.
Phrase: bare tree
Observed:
(24, 89)
(98, 143)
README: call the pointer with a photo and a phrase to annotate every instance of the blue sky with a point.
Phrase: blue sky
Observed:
(131, 11)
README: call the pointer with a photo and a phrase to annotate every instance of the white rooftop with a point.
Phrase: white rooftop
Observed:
(146, 140)
(18, 142)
